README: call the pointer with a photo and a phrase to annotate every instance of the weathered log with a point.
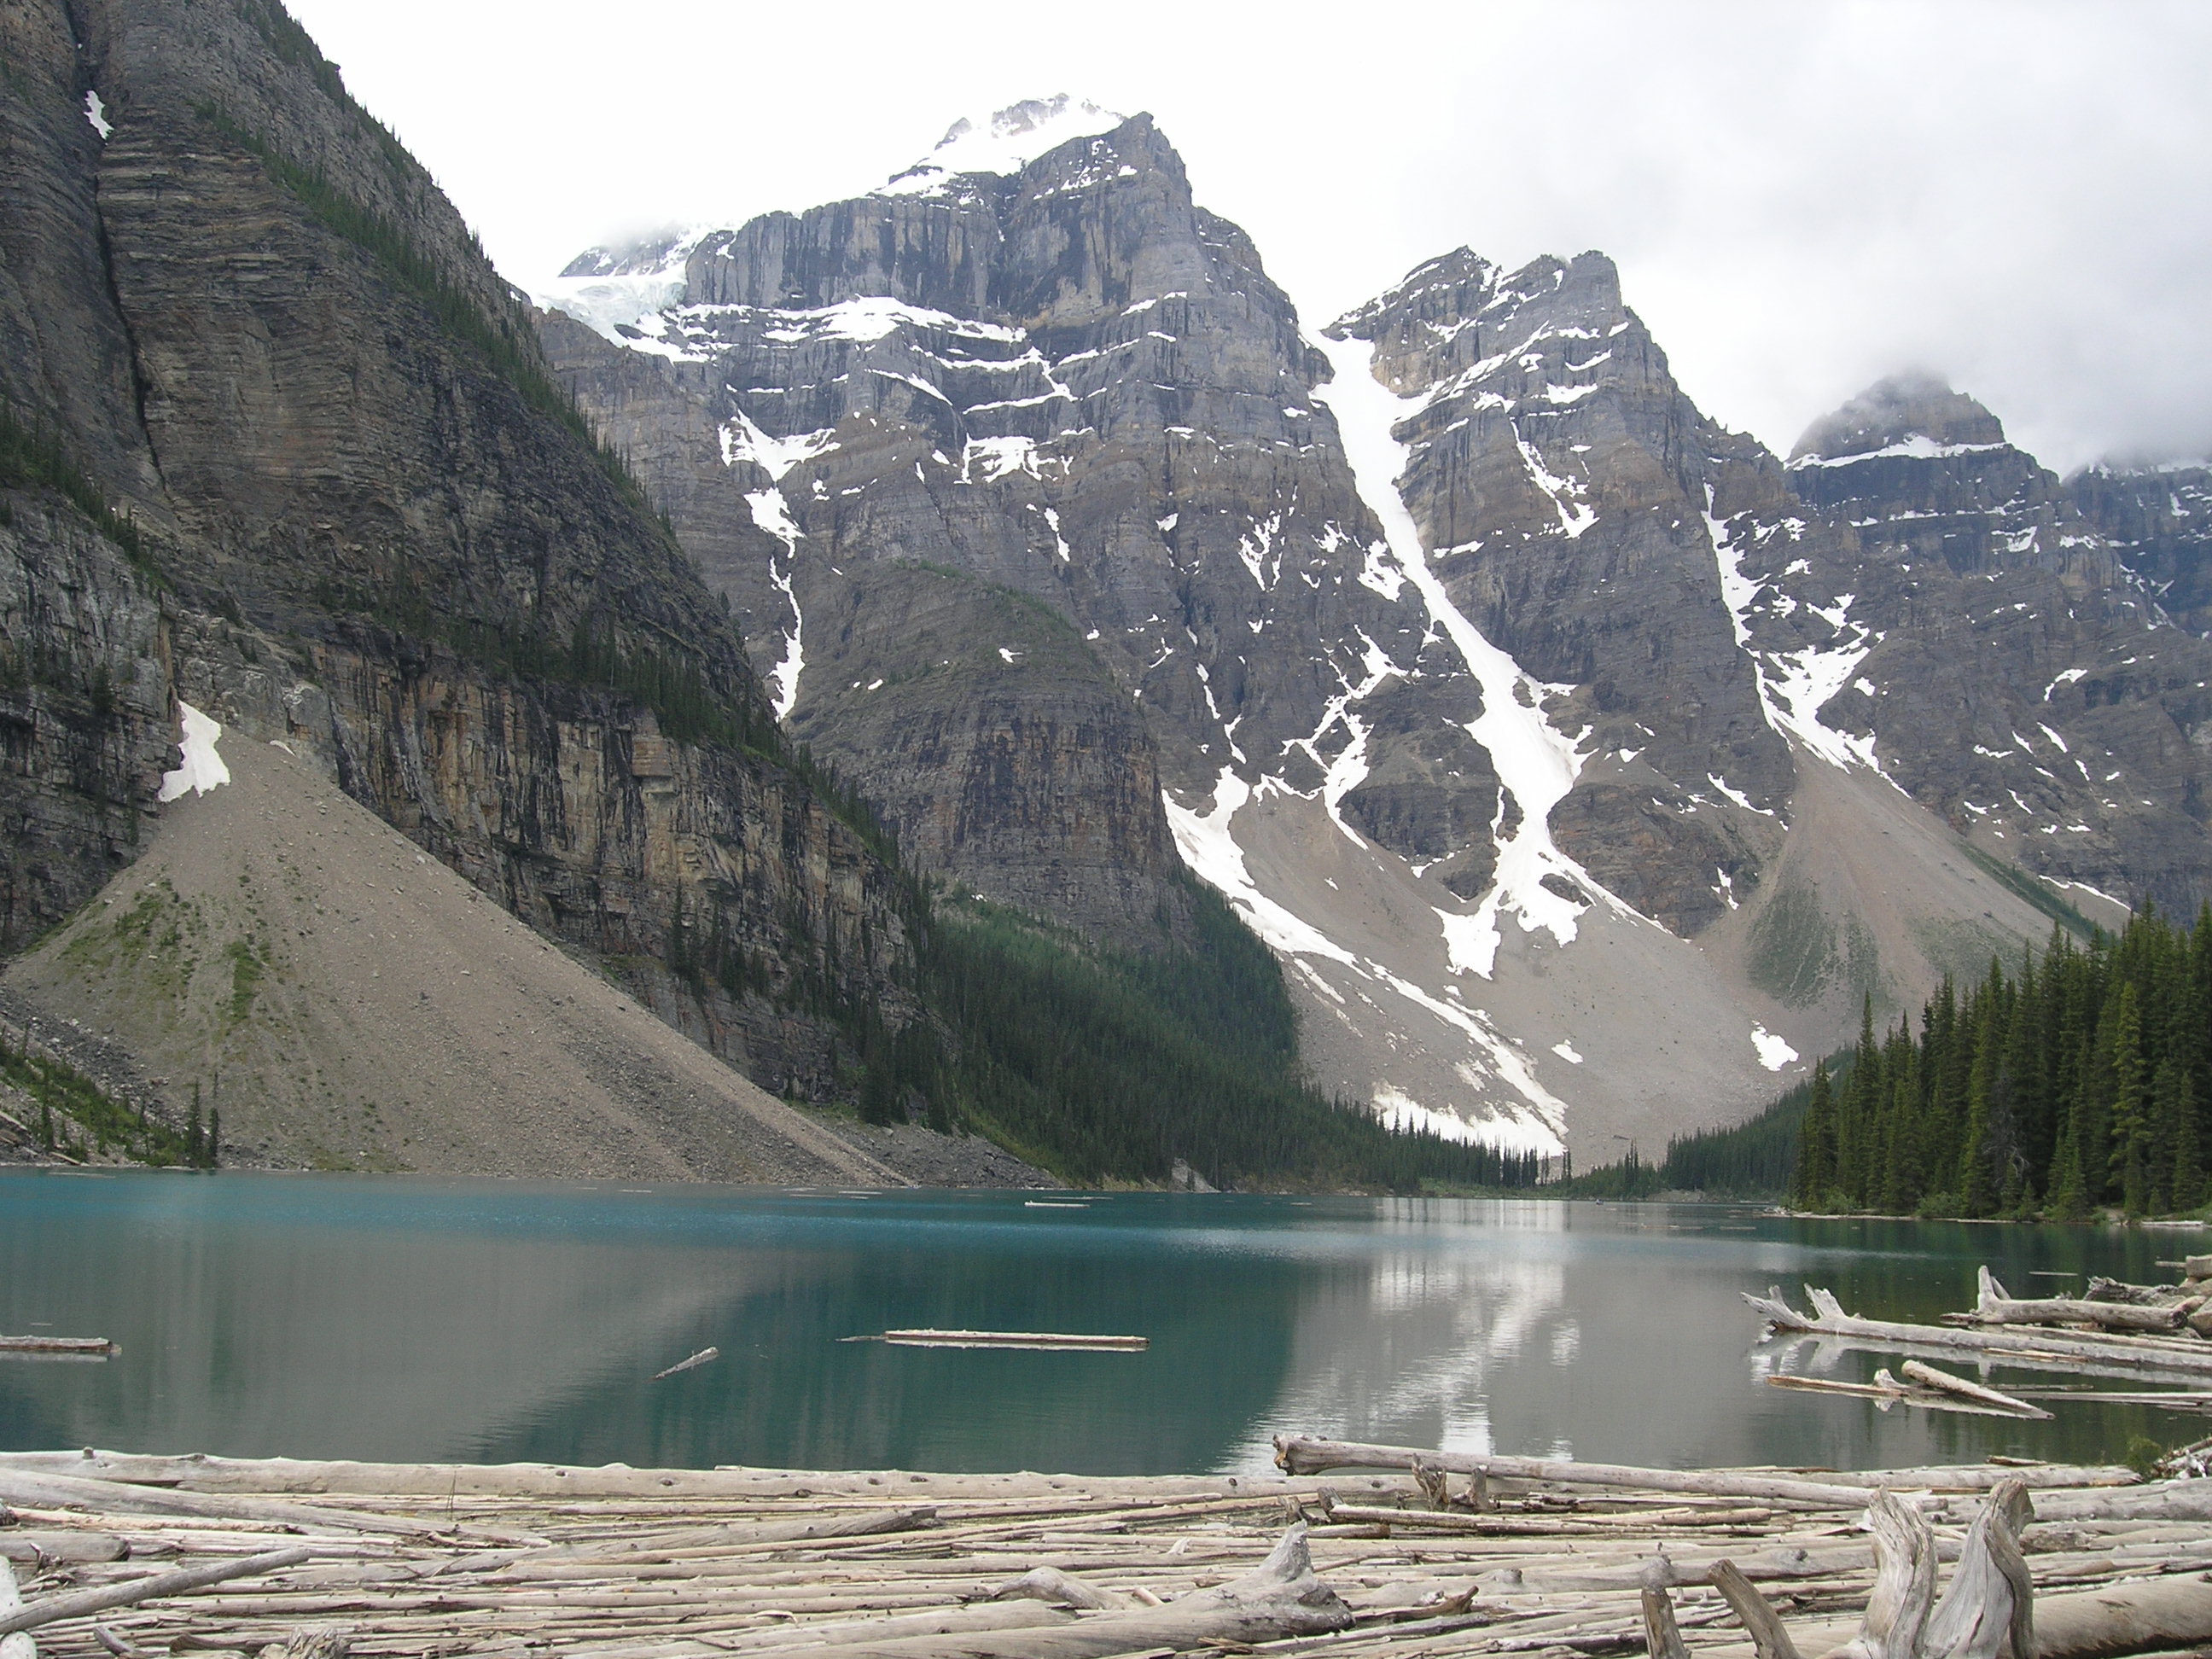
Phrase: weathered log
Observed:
(1051, 1584)
(116, 1645)
(78, 1603)
(25, 1544)
(704, 1356)
(2143, 1295)
(1434, 1485)
(1993, 1307)
(1299, 1455)
(116, 1497)
(1663, 1636)
(1928, 1377)
(1904, 1584)
(1988, 1607)
(1280, 1598)
(2154, 1617)
(1768, 1639)
(95, 1347)
(2049, 1350)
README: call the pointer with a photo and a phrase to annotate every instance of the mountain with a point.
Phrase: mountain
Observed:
(2158, 520)
(1585, 762)
(277, 441)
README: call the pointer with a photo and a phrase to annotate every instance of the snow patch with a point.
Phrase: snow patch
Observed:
(1565, 1049)
(1918, 446)
(998, 457)
(203, 768)
(1533, 760)
(1774, 1053)
(1003, 143)
(96, 112)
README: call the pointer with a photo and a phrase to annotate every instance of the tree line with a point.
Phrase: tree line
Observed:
(2076, 1082)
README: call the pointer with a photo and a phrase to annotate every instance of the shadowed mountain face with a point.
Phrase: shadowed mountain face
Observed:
(1546, 727)
(346, 506)
(2158, 519)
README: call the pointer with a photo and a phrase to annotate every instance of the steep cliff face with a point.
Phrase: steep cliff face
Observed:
(1587, 763)
(1560, 481)
(2008, 671)
(2158, 520)
(241, 310)
(1067, 380)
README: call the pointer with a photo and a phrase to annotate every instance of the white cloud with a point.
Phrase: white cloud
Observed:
(1802, 198)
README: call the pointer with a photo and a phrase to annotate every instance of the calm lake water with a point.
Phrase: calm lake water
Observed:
(372, 1317)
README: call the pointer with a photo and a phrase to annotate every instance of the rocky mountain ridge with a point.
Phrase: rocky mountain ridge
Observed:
(1543, 725)
(279, 442)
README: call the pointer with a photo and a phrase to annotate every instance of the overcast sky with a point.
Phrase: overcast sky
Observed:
(1802, 197)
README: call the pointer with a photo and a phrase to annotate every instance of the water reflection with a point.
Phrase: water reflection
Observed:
(335, 1316)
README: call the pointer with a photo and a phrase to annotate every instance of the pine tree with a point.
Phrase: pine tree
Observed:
(2132, 1137)
(1816, 1146)
(2177, 1181)
(1985, 1139)
(213, 1149)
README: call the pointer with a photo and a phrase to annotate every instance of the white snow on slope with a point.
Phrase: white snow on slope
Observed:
(1210, 850)
(1774, 1053)
(1919, 447)
(95, 112)
(1208, 844)
(203, 768)
(1536, 762)
(1003, 143)
(1795, 685)
(744, 440)
(624, 298)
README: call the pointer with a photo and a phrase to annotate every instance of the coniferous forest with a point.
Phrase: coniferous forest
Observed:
(2077, 1081)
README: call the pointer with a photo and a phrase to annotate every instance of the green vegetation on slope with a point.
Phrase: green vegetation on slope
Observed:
(79, 1120)
(32, 456)
(2078, 1081)
(1105, 1067)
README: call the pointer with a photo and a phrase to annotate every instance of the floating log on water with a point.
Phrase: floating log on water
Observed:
(1928, 1377)
(95, 1347)
(2048, 1350)
(1015, 1340)
(1937, 1391)
(1992, 1306)
(705, 1356)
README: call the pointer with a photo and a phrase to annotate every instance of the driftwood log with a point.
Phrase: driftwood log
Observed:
(2046, 1350)
(1299, 1455)
(1992, 1306)
(78, 1604)
(1280, 1598)
(16, 1644)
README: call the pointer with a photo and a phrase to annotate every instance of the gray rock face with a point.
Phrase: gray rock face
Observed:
(2158, 520)
(1560, 482)
(251, 318)
(2010, 671)
(1464, 646)
(1070, 382)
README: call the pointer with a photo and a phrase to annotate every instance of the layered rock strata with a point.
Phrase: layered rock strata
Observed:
(361, 518)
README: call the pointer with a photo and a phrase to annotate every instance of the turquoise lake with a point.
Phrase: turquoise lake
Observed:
(386, 1318)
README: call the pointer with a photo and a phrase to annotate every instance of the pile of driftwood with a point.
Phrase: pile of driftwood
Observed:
(1405, 1552)
(2147, 1332)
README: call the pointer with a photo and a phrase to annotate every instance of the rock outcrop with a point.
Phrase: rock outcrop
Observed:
(2158, 520)
(347, 505)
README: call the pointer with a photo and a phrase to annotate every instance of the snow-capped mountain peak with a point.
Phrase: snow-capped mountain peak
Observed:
(1003, 141)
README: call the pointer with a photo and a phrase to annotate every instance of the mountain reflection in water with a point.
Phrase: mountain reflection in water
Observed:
(338, 1316)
